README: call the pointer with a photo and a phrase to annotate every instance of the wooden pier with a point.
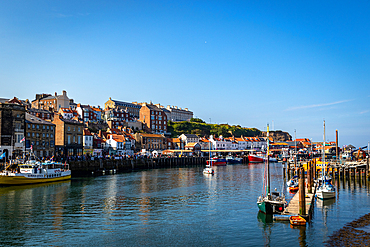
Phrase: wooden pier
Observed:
(293, 206)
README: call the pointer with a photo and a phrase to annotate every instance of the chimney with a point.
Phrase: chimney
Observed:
(56, 94)
(64, 93)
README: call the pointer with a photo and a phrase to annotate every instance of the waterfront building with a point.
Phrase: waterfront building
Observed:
(193, 146)
(40, 136)
(219, 143)
(88, 141)
(132, 108)
(119, 145)
(175, 143)
(255, 143)
(150, 142)
(231, 144)
(68, 136)
(51, 103)
(205, 143)
(189, 138)
(12, 129)
(153, 118)
(242, 143)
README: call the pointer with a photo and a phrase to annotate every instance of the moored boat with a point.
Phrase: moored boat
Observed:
(217, 162)
(208, 170)
(270, 202)
(325, 190)
(36, 172)
(233, 160)
(296, 220)
(252, 158)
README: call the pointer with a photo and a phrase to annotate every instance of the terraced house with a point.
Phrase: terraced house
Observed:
(68, 137)
(40, 136)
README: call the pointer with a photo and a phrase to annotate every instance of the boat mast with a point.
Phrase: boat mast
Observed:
(268, 166)
(323, 154)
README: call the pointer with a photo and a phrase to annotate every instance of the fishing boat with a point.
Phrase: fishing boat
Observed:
(325, 190)
(230, 160)
(36, 172)
(253, 158)
(270, 202)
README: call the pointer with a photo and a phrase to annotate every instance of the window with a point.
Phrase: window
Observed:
(37, 143)
(69, 139)
(79, 129)
(29, 126)
(51, 136)
(33, 134)
(69, 128)
(37, 135)
(47, 135)
(74, 139)
(152, 117)
(28, 134)
(43, 127)
(51, 127)
(47, 127)
(33, 126)
(43, 134)
(37, 126)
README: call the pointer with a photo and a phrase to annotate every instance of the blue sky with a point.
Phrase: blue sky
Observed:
(287, 63)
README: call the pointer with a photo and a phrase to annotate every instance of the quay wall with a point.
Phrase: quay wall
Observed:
(99, 167)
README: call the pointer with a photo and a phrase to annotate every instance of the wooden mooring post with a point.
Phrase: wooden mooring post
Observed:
(309, 177)
(302, 192)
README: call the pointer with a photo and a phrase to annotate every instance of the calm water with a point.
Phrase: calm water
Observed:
(166, 207)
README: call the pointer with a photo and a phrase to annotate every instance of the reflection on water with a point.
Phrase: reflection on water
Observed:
(178, 206)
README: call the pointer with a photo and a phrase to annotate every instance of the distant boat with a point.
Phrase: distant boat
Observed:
(216, 161)
(252, 158)
(208, 169)
(293, 185)
(270, 202)
(233, 160)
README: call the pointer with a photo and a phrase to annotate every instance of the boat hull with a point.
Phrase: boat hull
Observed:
(20, 180)
(255, 159)
(271, 207)
(217, 162)
(325, 194)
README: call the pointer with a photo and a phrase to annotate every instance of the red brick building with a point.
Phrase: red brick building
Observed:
(154, 118)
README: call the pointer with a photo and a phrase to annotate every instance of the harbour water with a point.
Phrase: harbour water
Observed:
(167, 207)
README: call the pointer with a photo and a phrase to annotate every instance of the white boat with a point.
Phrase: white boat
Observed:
(208, 169)
(36, 172)
(325, 190)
